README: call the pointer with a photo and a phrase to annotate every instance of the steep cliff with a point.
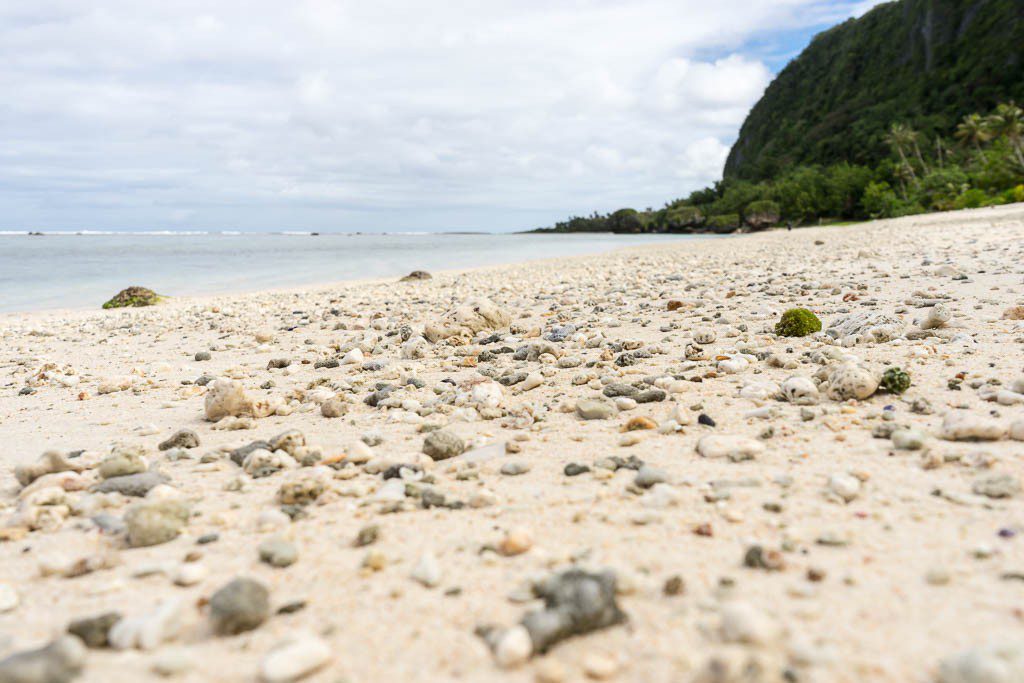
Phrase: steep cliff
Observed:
(921, 62)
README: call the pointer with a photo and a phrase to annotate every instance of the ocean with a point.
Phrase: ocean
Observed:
(82, 270)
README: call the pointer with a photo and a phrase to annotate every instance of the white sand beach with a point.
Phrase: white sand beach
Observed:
(813, 536)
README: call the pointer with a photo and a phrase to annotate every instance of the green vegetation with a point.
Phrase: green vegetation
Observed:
(134, 297)
(726, 222)
(895, 381)
(983, 167)
(797, 322)
(906, 110)
(925, 63)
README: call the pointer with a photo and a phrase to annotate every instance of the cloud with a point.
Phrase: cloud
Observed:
(339, 114)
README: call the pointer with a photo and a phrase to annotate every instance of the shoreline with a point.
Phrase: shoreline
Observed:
(630, 412)
(320, 286)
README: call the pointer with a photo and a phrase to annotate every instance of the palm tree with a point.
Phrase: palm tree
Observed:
(973, 130)
(1008, 121)
(901, 137)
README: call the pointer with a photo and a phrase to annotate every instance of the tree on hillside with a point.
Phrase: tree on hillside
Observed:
(901, 138)
(973, 130)
(1008, 121)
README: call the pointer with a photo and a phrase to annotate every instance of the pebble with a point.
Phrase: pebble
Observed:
(296, 658)
(515, 468)
(183, 438)
(846, 486)
(442, 444)
(996, 485)
(513, 648)
(908, 439)
(9, 600)
(965, 426)
(189, 574)
(515, 542)
(996, 663)
(242, 605)
(647, 477)
(149, 631)
(596, 408)
(735, 448)
(155, 522)
(59, 662)
(427, 571)
(278, 552)
(94, 631)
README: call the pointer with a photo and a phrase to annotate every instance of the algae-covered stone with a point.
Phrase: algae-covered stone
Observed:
(133, 297)
(895, 380)
(797, 322)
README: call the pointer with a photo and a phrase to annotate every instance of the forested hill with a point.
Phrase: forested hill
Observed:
(926, 63)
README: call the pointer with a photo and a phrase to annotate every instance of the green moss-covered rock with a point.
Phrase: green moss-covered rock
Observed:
(723, 223)
(762, 214)
(797, 322)
(895, 381)
(133, 297)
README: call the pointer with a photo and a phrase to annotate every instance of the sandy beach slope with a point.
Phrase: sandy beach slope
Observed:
(818, 538)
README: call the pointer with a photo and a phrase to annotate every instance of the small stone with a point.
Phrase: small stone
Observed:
(94, 630)
(964, 426)
(8, 598)
(133, 485)
(639, 422)
(850, 380)
(189, 574)
(278, 552)
(908, 439)
(368, 535)
(295, 659)
(515, 468)
(846, 486)
(442, 444)
(744, 623)
(996, 485)
(800, 391)
(155, 522)
(149, 631)
(515, 542)
(674, 585)
(333, 407)
(183, 438)
(574, 469)
(122, 462)
(735, 448)
(600, 666)
(242, 605)
(575, 602)
(647, 477)
(596, 408)
(513, 647)
(172, 662)
(997, 663)
(757, 557)
(427, 571)
(59, 662)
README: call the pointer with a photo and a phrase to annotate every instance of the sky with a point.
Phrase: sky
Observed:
(375, 116)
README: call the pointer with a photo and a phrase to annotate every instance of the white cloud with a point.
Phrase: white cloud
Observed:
(356, 115)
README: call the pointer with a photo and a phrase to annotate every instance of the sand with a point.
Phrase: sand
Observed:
(914, 568)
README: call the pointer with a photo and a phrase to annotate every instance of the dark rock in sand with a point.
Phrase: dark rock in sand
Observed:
(575, 602)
